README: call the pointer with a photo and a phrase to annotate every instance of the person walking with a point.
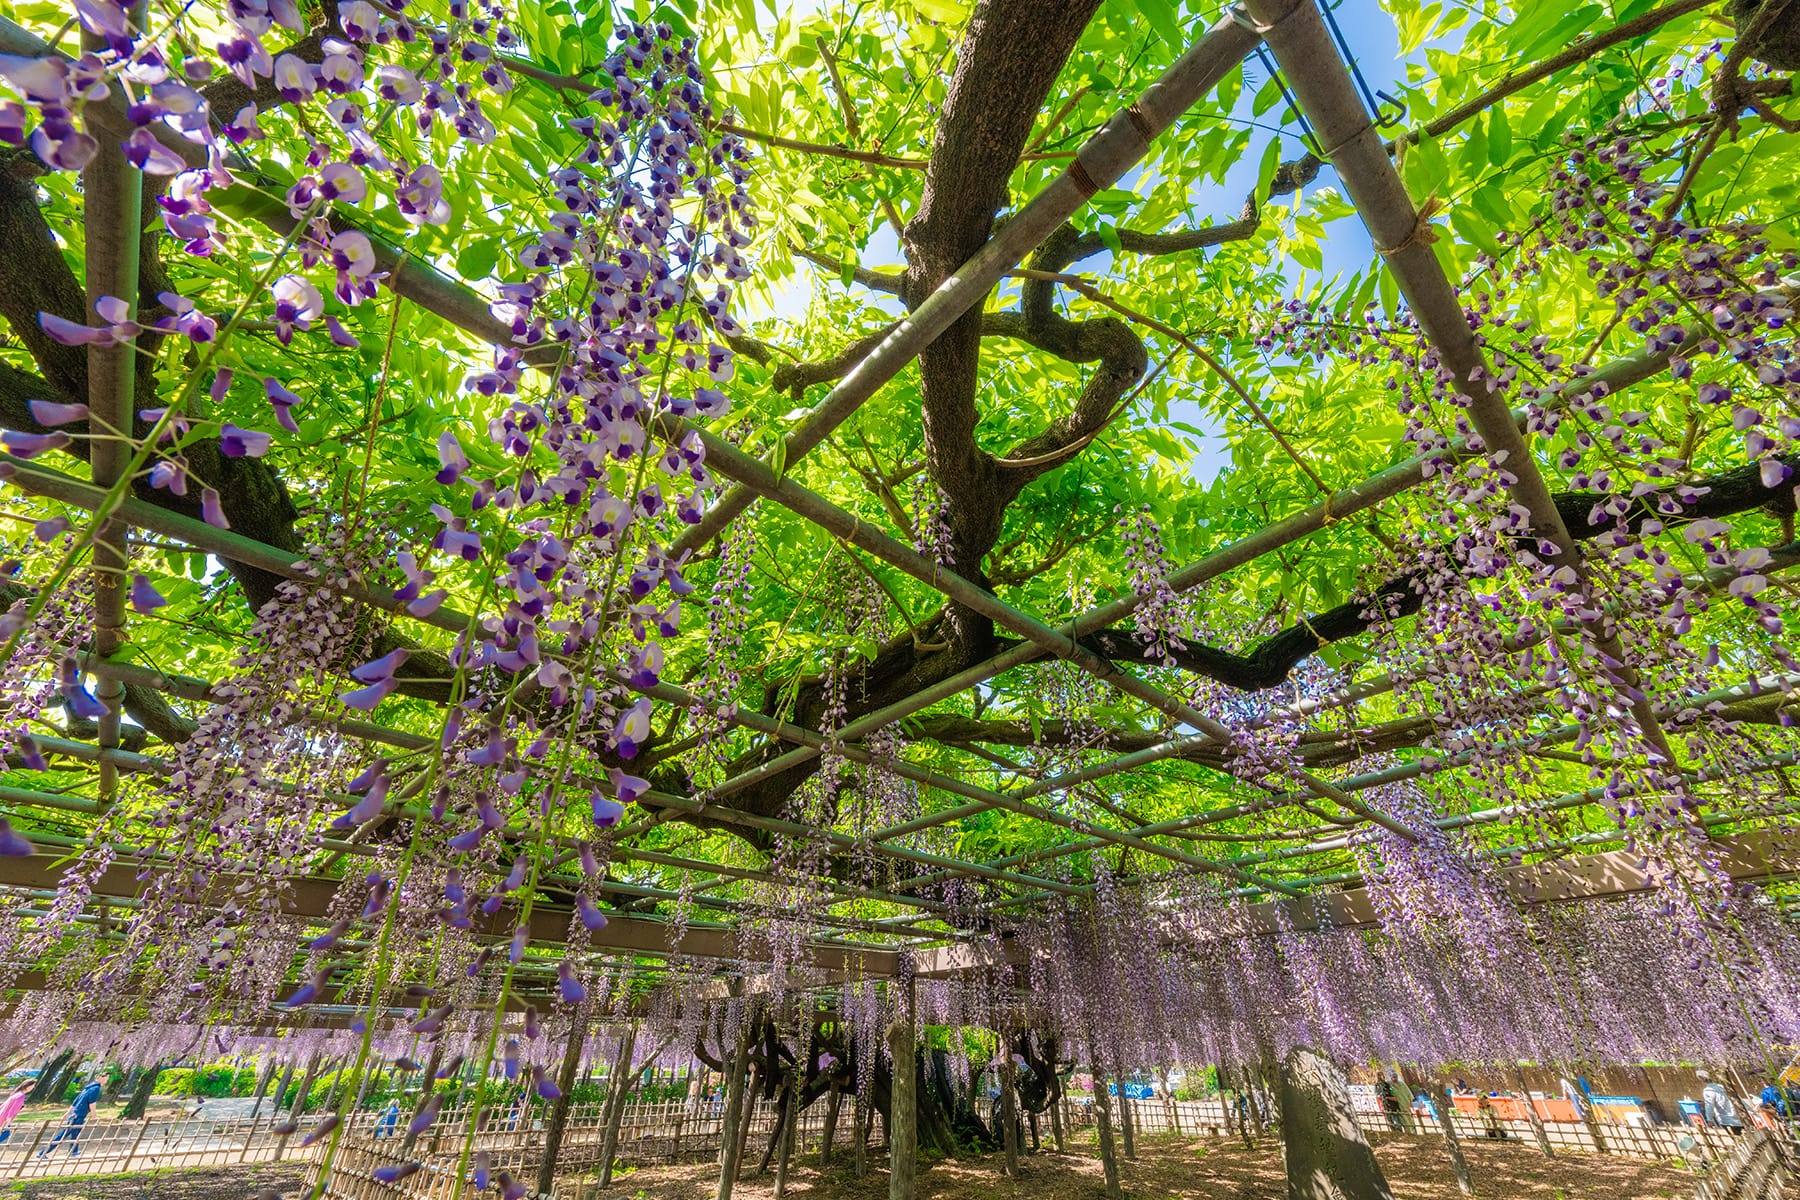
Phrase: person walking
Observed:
(389, 1119)
(77, 1117)
(10, 1109)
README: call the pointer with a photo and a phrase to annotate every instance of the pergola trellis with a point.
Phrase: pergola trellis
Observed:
(1350, 142)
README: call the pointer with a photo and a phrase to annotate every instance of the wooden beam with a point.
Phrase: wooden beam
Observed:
(310, 897)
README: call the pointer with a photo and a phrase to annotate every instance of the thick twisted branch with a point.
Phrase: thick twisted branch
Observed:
(1270, 662)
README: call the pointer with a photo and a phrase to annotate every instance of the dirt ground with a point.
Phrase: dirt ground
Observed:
(1417, 1169)
(208, 1183)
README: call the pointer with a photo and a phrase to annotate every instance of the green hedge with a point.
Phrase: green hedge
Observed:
(175, 1081)
(380, 1091)
(223, 1079)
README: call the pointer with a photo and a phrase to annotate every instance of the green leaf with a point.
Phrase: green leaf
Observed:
(1161, 16)
(778, 457)
(1499, 137)
(951, 12)
(478, 259)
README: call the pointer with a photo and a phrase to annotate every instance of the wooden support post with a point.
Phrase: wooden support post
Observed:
(1009, 1111)
(559, 1108)
(1324, 1149)
(618, 1092)
(1531, 1113)
(141, 1093)
(903, 1113)
(263, 1079)
(427, 1078)
(833, 1102)
(281, 1086)
(1227, 1105)
(298, 1105)
(1109, 1160)
(752, 1095)
(1127, 1122)
(1056, 1122)
(860, 1121)
(1465, 1182)
(730, 1144)
(790, 1123)
(48, 1077)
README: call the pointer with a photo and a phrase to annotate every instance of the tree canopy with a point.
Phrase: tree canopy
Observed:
(867, 477)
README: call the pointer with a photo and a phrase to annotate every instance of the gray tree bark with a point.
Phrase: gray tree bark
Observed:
(730, 1143)
(833, 1103)
(903, 1118)
(1326, 1155)
(141, 1093)
(1465, 1182)
(1127, 1122)
(618, 1093)
(559, 1108)
(298, 1104)
(1009, 1108)
(1531, 1114)
(1103, 1132)
(281, 1086)
(790, 1122)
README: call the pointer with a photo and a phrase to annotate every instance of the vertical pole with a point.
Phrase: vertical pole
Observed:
(832, 1103)
(1056, 1118)
(1127, 1122)
(618, 1091)
(1465, 1183)
(859, 1128)
(734, 1110)
(265, 1077)
(298, 1105)
(1009, 1113)
(747, 1118)
(1109, 1162)
(903, 1114)
(559, 1108)
(428, 1083)
(1323, 1149)
(789, 1130)
(1225, 1107)
(1531, 1113)
(281, 1085)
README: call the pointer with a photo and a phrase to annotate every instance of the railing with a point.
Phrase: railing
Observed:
(665, 1132)
(98, 1146)
(690, 1131)
(1757, 1167)
(1206, 1118)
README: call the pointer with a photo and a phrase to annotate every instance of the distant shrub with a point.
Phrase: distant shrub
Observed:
(176, 1081)
(224, 1078)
